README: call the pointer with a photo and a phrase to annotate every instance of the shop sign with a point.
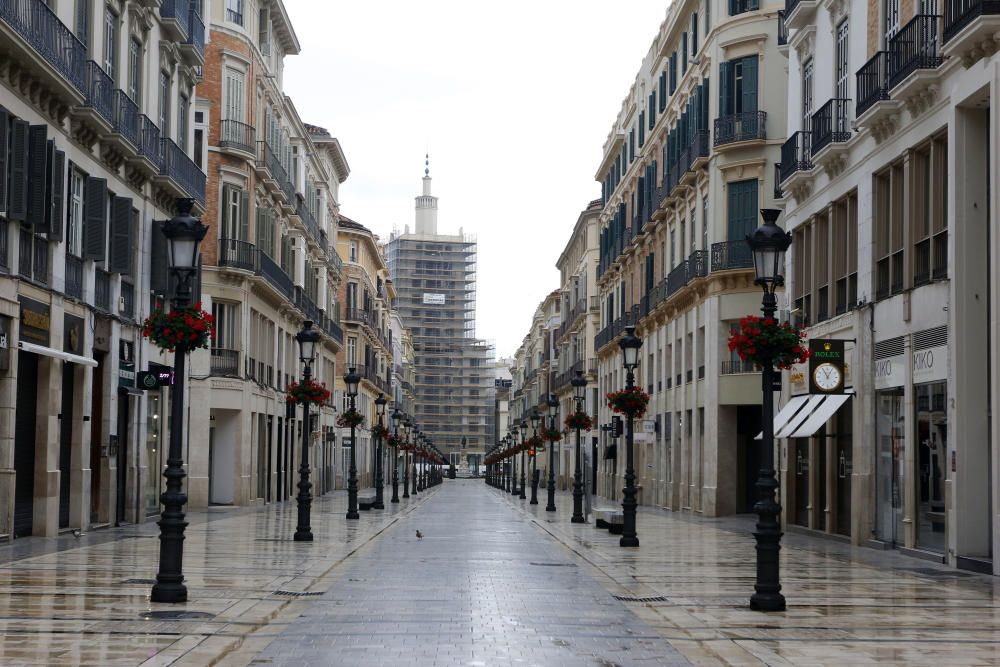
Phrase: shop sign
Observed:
(930, 365)
(126, 363)
(35, 321)
(433, 299)
(157, 376)
(826, 366)
(72, 334)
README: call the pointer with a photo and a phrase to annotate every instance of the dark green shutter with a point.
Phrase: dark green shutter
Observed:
(121, 236)
(694, 33)
(4, 140)
(57, 198)
(196, 285)
(159, 273)
(228, 226)
(749, 99)
(95, 223)
(725, 88)
(742, 214)
(17, 205)
(37, 169)
(244, 215)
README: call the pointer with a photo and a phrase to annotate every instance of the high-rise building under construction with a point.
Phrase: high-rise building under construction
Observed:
(435, 279)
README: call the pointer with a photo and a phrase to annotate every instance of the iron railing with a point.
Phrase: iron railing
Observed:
(270, 161)
(149, 140)
(917, 45)
(778, 194)
(4, 251)
(100, 92)
(238, 254)
(308, 219)
(796, 154)
(128, 299)
(737, 367)
(697, 264)
(234, 134)
(102, 290)
(782, 28)
(790, 6)
(275, 275)
(355, 315)
(225, 363)
(699, 146)
(873, 82)
(39, 26)
(74, 276)
(196, 31)
(178, 11)
(178, 166)
(126, 117)
(960, 13)
(731, 255)
(830, 124)
(677, 278)
(744, 126)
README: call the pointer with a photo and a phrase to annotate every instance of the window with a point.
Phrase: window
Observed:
(825, 262)
(684, 53)
(264, 31)
(807, 96)
(235, 213)
(742, 213)
(738, 86)
(930, 213)
(182, 122)
(265, 231)
(227, 335)
(353, 251)
(233, 95)
(743, 6)
(82, 21)
(694, 34)
(110, 41)
(352, 296)
(134, 69)
(673, 72)
(234, 11)
(889, 250)
(164, 104)
(890, 19)
(704, 223)
(74, 219)
(845, 253)
(842, 57)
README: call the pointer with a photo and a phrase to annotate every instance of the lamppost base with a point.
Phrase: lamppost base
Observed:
(628, 542)
(578, 519)
(172, 592)
(353, 515)
(378, 506)
(767, 602)
(550, 508)
(303, 537)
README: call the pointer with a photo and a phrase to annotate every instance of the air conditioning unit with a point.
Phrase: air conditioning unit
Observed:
(121, 304)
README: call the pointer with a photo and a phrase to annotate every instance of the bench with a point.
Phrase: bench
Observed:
(366, 500)
(608, 517)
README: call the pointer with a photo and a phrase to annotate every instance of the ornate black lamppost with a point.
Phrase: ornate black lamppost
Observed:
(308, 339)
(419, 463)
(379, 449)
(407, 428)
(768, 244)
(553, 405)
(396, 417)
(508, 472)
(524, 467)
(534, 458)
(579, 394)
(417, 439)
(513, 460)
(352, 380)
(630, 345)
(184, 233)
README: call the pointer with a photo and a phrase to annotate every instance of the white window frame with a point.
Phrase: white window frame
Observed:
(110, 41)
(74, 222)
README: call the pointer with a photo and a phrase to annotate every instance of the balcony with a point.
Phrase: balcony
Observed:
(174, 17)
(33, 256)
(356, 315)
(275, 176)
(224, 363)
(332, 328)
(873, 83)
(736, 128)
(915, 47)
(193, 47)
(308, 220)
(699, 150)
(275, 276)
(305, 303)
(737, 367)
(729, 255)
(778, 193)
(237, 136)
(149, 158)
(782, 31)
(238, 255)
(180, 173)
(126, 122)
(74, 276)
(799, 13)
(55, 56)
(100, 93)
(102, 290)
(968, 25)
(831, 125)
(796, 157)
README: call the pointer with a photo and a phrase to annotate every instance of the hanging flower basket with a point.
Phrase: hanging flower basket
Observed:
(579, 420)
(394, 440)
(551, 434)
(186, 328)
(309, 391)
(535, 442)
(350, 418)
(379, 431)
(627, 401)
(761, 340)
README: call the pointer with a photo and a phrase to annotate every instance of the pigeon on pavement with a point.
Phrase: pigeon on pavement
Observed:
(420, 535)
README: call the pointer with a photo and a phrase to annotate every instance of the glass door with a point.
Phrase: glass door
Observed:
(890, 466)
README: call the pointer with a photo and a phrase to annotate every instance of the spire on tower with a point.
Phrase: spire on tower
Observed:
(427, 164)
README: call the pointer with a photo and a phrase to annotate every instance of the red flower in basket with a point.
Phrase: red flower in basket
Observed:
(579, 420)
(183, 328)
(309, 391)
(350, 417)
(761, 340)
(627, 401)
(535, 443)
(380, 431)
(551, 434)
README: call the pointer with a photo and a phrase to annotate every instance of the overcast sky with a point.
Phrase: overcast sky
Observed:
(513, 101)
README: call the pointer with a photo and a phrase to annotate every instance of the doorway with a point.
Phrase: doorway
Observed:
(96, 436)
(124, 413)
(24, 443)
(65, 441)
(890, 466)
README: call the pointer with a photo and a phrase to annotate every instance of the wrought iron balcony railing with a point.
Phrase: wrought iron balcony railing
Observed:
(960, 13)
(196, 31)
(917, 45)
(178, 166)
(782, 28)
(149, 140)
(238, 254)
(39, 26)
(237, 135)
(225, 363)
(102, 290)
(830, 124)
(796, 155)
(100, 92)
(873, 82)
(126, 117)
(178, 11)
(740, 127)
(731, 255)
(74, 276)
(275, 275)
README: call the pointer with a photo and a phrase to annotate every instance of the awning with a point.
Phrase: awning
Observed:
(56, 354)
(803, 415)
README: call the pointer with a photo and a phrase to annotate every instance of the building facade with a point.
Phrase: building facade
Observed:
(888, 186)
(96, 145)
(435, 276)
(687, 164)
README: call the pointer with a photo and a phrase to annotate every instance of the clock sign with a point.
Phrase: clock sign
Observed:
(826, 366)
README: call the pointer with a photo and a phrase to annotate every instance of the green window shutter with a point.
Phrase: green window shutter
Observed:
(749, 99)
(259, 231)
(37, 168)
(17, 203)
(734, 7)
(742, 209)
(725, 86)
(694, 33)
(95, 224)
(642, 128)
(57, 196)
(244, 215)
(4, 163)
(121, 236)
(226, 224)
(159, 274)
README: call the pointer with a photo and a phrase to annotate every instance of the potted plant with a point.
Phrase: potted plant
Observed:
(579, 420)
(350, 417)
(184, 327)
(309, 391)
(550, 434)
(760, 340)
(627, 401)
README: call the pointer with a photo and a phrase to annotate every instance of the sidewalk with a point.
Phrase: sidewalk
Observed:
(65, 601)
(846, 605)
